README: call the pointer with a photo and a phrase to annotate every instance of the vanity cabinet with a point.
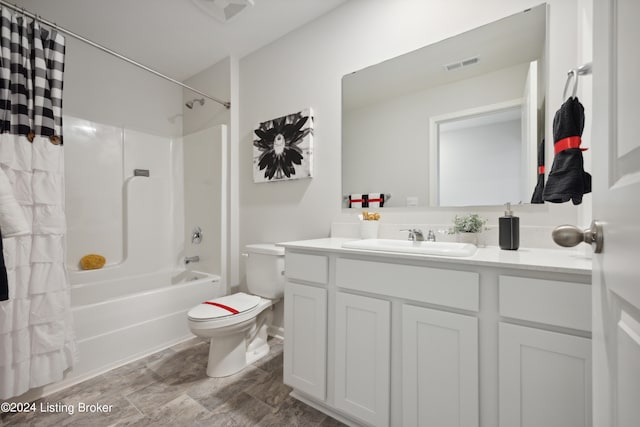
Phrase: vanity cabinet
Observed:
(385, 340)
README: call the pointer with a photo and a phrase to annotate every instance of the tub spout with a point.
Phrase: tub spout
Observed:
(190, 259)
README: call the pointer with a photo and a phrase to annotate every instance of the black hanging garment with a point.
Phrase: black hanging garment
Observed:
(537, 192)
(567, 179)
(4, 283)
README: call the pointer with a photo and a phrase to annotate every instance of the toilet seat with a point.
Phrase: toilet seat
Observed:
(224, 307)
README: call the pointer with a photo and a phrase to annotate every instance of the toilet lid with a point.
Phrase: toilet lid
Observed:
(225, 306)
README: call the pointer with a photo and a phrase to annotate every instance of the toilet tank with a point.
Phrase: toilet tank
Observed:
(265, 270)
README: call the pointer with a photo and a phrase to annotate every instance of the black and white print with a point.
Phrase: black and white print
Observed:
(283, 148)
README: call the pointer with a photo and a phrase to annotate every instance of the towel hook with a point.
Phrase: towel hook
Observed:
(573, 74)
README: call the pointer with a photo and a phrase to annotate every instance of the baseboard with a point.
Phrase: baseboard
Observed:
(275, 331)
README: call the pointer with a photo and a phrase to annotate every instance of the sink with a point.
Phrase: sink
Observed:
(410, 247)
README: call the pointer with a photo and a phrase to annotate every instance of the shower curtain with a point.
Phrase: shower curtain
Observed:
(36, 336)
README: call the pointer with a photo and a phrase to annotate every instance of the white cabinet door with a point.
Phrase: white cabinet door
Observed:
(305, 339)
(362, 357)
(439, 368)
(545, 378)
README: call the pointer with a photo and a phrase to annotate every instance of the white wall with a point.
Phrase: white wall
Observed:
(103, 89)
(304, 69)
(214, 81)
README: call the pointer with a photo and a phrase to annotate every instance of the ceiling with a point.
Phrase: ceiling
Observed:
(174, 36)
(513, 40)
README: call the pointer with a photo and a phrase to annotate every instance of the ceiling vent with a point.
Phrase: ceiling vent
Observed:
(222, 10)
(460, 64)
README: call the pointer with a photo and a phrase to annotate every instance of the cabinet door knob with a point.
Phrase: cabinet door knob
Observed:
(570, 235)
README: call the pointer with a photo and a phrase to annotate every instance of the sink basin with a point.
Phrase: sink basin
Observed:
(409, 247)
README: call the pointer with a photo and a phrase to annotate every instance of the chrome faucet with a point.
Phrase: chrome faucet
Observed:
(190, 259)
(431, 236)
(415, 234)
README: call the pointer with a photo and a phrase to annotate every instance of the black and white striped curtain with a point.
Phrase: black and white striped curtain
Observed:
(31, 76)
(37, 343)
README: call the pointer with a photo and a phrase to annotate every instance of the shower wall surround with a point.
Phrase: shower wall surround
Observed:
(205, 183)
(129, 220)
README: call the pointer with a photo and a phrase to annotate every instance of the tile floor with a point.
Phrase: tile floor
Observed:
(171, 388)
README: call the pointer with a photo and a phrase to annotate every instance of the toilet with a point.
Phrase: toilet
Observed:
(237, 324)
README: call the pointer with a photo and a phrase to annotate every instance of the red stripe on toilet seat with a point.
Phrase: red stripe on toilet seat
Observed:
(226, 307)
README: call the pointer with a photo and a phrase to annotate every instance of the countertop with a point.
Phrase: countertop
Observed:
(554, 260)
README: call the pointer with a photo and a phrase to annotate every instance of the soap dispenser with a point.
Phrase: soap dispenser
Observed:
(509, 230)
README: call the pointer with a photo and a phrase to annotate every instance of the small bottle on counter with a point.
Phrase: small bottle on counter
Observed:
(509, 230)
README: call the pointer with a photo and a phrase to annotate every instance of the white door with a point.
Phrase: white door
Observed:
(363, 357)
(616, 197)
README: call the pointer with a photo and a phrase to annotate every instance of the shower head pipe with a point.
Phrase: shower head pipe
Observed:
(189, 104)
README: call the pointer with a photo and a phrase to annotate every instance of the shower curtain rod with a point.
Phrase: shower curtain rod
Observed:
(24, 12)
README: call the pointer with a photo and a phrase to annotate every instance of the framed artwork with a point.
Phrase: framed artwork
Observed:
(283, 148)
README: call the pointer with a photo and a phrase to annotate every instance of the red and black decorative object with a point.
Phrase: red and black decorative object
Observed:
(371, 200)
(283, 148)
(567, 179)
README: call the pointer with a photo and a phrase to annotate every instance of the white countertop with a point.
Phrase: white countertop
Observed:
(556, 260)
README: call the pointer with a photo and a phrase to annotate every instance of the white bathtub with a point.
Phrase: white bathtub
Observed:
(120, 320)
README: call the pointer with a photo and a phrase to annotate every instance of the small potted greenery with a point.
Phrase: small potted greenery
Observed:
(467, 228)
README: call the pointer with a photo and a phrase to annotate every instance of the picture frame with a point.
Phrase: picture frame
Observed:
(283, 148)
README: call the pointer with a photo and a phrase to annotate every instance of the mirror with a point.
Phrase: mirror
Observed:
(456, 123)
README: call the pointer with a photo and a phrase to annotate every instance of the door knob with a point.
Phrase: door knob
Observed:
(569, 236)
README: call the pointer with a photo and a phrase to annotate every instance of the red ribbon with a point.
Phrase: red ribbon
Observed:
(362, 200)
(566, 143)
(226, 307)
(540, 170)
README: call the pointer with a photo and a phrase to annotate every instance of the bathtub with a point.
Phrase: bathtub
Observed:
(120, 320)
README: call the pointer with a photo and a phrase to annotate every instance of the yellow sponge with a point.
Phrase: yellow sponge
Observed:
(92, 262)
